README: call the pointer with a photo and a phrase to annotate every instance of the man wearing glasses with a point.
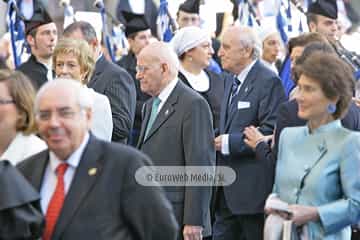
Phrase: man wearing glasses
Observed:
(87, 186)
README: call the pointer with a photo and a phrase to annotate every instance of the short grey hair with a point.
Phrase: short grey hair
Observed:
(85, 28)
(248, 38)
(83, 95)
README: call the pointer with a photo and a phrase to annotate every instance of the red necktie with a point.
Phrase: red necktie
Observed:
(56, 202)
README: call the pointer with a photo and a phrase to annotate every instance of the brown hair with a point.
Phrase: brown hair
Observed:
(334, 76)
(23, 94)
(304, 39)
(82, 52)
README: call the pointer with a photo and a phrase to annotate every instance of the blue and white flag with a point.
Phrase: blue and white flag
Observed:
(17, 32)
(163, 22)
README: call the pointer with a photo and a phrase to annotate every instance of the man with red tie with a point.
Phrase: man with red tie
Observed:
(87, 186)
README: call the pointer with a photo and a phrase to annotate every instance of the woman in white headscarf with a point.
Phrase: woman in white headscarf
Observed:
(271, 46)
(193, 47)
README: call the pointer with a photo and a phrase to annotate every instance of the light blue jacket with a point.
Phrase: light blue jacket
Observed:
(321, 169)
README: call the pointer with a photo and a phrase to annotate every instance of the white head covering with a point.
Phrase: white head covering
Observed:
(187, 38)
(266, 32)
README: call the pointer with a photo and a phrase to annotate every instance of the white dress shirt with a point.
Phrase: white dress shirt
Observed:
(165, 93)
(225, 149)
(22, 147)
(50, 179)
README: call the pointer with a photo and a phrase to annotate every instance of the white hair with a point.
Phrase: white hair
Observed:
(248, 38)
(83, 95)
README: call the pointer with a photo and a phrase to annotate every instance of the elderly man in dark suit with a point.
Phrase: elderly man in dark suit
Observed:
(87, 186)
(111, 80)
(176, 131)
(252, 95)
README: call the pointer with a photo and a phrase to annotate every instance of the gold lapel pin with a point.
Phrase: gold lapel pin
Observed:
(92, 171)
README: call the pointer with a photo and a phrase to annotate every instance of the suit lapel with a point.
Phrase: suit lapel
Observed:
(37, 173)
(85, 177)
(144, 122)
(99, 68)
(167, 110)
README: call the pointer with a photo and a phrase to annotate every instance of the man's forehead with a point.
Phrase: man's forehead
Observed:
(45, 27)
(183, 14)
(76, 34)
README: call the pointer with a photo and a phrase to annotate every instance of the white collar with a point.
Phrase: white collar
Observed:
(242, 76)
(165, 93)
(199, 82)
(74, 158)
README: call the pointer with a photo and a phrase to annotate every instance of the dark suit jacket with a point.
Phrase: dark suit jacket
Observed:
(287, 117)
(128, 62)
(109, 204)
(255, 104)
(35, 71)
(151, 13)
(213, 96)
(182, 135)
(115, 83)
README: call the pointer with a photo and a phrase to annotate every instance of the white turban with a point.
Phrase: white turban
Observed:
(187, 38)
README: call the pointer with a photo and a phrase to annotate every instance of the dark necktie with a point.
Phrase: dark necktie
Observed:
(56, 202)
(234, 88)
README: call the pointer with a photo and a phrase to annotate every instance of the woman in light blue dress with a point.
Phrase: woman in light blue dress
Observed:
(318, 166)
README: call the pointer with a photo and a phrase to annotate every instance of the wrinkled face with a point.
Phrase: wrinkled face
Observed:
(8, 111)
(311, 99)
(61, 122)
(201, 54)
(43, 44)
(140, 40)
(325, 26)
(150, 75)
(234, 57)
(185, 19)
(68, 66)
(271, 48)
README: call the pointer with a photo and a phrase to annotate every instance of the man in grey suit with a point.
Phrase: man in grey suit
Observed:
(111, 80)
(176, 131)
(252, 95)
(87, 186)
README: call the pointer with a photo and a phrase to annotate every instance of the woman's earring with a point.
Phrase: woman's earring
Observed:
(331, 108)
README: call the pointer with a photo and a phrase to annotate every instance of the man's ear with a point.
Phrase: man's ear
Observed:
(312, 27)
(30, 40)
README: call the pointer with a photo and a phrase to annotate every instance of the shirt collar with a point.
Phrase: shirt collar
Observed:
(242, 76)
(165, 93)
(74, 158)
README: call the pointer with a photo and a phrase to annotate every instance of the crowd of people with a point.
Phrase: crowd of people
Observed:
(77, 129)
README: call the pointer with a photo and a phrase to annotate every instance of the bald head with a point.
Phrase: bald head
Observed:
(240, 46)
(157, 66)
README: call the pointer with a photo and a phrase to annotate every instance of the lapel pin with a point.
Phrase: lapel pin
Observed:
(246, 89)
(166, 112)
(92, 171)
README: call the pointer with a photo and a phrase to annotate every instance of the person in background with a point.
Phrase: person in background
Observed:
(109, 79)
(138, 35)
(73, 59)
(271, 47)
(41, 36)
(17, 120)
(189, 15)
(317, 170)
(193, 48)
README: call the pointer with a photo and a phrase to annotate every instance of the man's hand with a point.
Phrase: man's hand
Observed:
(218, 142)
(192, 232)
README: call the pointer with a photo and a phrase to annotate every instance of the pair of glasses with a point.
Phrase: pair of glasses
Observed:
(62, 113)
(5, 102)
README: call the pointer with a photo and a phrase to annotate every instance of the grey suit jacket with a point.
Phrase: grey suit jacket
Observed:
(108, 204)
(182, 135)
(114, 82)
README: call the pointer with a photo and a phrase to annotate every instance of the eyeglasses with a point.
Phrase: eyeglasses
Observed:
(141, 69)
(5, 102)
(62, 113)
